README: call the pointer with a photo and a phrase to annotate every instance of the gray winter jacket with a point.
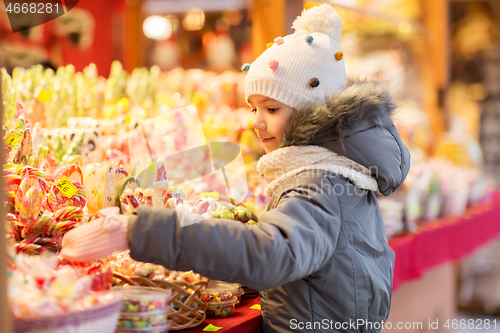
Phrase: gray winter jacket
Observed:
(319, 257)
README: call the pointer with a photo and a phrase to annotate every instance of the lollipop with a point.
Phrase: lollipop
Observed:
(13, 226)
(12, 181)
(29, 210)
(31, 172)
(10, 200)
(57, 200)
(27, 246)
(23, 149)
(60, 228)
(72, 171)
(28, 200)
(8, 145)
(70, 213)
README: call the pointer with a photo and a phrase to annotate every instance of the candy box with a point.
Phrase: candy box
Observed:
(143, 299)
(218, 291)
(222, 309)
(146, 320)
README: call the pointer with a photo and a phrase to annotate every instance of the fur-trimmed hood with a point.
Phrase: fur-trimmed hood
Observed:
(355, 123)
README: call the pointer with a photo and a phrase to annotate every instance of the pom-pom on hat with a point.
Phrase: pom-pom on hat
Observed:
(285, 71)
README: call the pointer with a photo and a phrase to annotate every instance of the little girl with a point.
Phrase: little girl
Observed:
(319, 254)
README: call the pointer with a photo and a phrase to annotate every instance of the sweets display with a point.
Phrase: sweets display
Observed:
(121, 262)
(45, 286)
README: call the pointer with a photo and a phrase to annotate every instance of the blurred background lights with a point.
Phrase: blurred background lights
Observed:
(157, 27)
(173, 21)
(405, 27)
(194, 20)
(209, 40)
(232, 17)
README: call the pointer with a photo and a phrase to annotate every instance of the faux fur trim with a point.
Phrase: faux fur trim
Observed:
(284, 163)
(342, 112)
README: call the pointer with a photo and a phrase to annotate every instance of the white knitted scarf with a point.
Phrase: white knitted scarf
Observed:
(283, 163)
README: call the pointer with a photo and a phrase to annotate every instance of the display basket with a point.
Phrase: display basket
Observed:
(99, 318)
(187, 307)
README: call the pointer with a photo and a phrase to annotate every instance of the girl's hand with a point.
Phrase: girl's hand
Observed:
(97, 239)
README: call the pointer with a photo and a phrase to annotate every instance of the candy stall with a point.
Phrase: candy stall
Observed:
(68, 155)
(78, 144)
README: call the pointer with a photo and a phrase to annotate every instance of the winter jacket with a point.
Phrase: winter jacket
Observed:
(320, 258)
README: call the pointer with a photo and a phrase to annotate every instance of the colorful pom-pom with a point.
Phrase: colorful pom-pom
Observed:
(339, 55)
(309, 39)
(314, 82)
(279, 40)
(268, 45)
(245, 67)
(273, 64)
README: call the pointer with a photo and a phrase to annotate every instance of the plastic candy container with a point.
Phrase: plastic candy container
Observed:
(218, 291)
(238, 293)
(144, 322)
(222, 309)
(143, 299)
(221, 298)
(144, 309)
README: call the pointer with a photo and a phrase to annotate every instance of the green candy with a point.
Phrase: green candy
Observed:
(227, 215)
(133, 308)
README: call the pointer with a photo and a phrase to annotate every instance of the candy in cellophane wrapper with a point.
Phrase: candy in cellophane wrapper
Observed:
(44, 286)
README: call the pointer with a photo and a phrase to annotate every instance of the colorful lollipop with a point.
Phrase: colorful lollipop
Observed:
(57, 200)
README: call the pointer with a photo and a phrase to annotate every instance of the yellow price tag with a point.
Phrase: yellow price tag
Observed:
(66, 187)
(44, 96)
(212, 328)
(256, 307)
(213, 194)
(123, 102)
(9, 140)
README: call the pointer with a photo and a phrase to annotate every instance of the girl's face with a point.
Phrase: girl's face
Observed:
(270, 120)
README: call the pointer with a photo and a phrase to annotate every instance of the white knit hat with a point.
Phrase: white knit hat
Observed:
(304, 67)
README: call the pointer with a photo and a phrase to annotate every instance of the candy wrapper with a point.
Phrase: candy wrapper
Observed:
(44, 286)
(57, 200)
(35, 220)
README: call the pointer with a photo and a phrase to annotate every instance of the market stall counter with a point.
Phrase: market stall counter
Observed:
(246, 319)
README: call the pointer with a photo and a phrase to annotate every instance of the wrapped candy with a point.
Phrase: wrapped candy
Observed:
(12, 181)
(22, 150)
(28, 200)
(45, 286)
(72, 171)
(57, 200)
(41, 177)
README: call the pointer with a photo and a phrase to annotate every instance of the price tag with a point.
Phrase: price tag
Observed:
(256, 307)
(44, 96)
(213, 194)
(123, 102)
(10, 139)
(66, 187)
(212, 328)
